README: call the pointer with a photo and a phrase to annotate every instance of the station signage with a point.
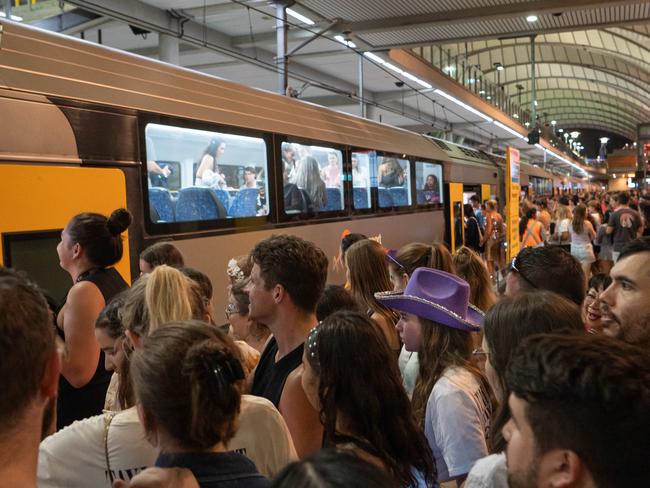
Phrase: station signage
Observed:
(513, 190)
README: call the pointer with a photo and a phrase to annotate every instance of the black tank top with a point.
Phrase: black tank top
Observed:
(80, 403)
(270, 375)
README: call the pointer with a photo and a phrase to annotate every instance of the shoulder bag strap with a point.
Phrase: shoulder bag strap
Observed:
(108, 418)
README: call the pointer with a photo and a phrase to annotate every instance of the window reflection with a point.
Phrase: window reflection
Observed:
(428, 181)
(203, 175)
(313, 178)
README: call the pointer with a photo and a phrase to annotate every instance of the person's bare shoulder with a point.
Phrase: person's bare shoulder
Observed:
(160, 478)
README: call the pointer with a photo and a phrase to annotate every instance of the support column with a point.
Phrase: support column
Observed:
(7, 9)
(371, 112)
(533, 111)
(362, 103)
(169, 49)
(281, 59)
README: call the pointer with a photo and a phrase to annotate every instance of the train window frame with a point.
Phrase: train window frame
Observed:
(373, 208)
(282, 215)
(442, 182)
(165, 228)
(375, 190)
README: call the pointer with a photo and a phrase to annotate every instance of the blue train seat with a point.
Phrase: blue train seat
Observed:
(223, 197)
(198, 203)
(420, 197)
(385, 198)
(245, 203)
(400, 196)
(333, 200)
(161, 200)
(360, 198)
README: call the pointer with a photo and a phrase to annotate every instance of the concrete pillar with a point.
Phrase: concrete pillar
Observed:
(169, 49)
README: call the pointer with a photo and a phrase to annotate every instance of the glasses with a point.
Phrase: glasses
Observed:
(514, 267)
(231, 308)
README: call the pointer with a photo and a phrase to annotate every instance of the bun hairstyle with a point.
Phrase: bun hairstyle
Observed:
(188, 377)
(100, 237)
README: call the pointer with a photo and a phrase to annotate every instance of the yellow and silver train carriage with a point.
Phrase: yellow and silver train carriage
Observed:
(211, 164)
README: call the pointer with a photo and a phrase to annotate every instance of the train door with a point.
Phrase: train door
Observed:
(37, 201)
(455, 228)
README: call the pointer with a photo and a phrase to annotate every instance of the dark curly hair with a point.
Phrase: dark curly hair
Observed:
(99, 236)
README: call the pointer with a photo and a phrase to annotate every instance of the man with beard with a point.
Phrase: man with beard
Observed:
(29, 367)
(579, 406)
(626, 302)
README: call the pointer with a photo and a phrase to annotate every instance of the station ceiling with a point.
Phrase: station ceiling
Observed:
(592, 57)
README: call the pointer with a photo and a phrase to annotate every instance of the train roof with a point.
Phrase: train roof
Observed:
(37, 61)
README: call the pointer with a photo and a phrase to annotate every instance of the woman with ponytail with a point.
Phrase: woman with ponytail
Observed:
(188, 383)
(90, 245)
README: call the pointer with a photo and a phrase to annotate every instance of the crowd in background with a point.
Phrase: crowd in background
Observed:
(417, 372)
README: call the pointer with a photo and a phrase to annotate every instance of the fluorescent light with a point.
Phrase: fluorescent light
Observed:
(408, 75)
(345, 42)
(424, 84)
(463, 104)
(15, 18)
(394, 68)
(532, 18)
(539, 146)
(300, 17)
(374, 57)
(508, 129)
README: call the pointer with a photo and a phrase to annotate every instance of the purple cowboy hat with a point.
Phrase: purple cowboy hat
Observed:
(438, 296)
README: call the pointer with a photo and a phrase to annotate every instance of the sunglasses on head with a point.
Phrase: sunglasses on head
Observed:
(514, 266)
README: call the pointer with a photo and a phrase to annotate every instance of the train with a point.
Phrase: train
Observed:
(84, 127)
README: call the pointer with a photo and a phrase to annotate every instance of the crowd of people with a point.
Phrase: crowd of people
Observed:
(417, 372)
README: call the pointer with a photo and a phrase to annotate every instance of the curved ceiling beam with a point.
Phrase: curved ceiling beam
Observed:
(643, 98)
(575, 103)
(595, 117)
(548, 40)
(593, 114)
(597, 96)
(643, 89)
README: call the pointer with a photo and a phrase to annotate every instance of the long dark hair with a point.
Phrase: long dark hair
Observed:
(507, 324)
(579, 217)
(375, 406)
(531, 213)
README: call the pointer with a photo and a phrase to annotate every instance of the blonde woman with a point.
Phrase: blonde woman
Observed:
(470, 267)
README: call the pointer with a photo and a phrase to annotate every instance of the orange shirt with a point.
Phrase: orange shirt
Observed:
(533, 235)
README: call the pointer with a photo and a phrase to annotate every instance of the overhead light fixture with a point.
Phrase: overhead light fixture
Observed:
(300, 17)
(604, 140)
(527, 124)
(463, 104)
(498, 66)
(471, 80)
(449, 69)
(374, 57)
(575, 134)
(394, 68)
(560, 130)
(532, 18)
(515, 115)
(345, 42)
(481, 92)
(553, 122)
(489, 97)
(15, 18)
(535, 102)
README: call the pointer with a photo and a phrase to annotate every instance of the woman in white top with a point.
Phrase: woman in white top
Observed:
(452, 399)
(582, 233)
(208, 173)
(561, 234)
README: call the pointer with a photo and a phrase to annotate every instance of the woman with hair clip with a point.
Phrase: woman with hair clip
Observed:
(367, 273)
(90, 245)
(188, 381)
(114, 445)
(208, 173)
(506, 325)
(353, 404)
(452, 398)
(401, 267)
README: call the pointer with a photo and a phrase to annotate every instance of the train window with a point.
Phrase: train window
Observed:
(428, 183)
(198, 175)
(393, 182)
(313, 178)
(362, 164)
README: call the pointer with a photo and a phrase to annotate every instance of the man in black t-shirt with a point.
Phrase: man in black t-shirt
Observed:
(624, 223)
(287, 279)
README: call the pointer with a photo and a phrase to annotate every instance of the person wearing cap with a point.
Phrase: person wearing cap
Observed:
(452, 399)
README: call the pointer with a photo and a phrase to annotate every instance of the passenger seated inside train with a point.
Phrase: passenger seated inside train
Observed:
(390, 173)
